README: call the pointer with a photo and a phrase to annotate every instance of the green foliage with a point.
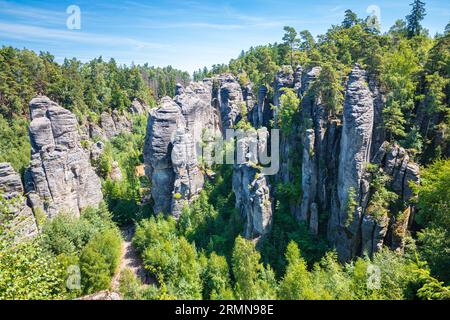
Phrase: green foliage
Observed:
(162, 81)
(253, 280)
(381, 197)
(388, 276)
(434, 247)
(291, 41)
(123, 197)
(286, 229)
(218, 230)
(99, 260)
(216, 279)
(14, 143)
(413, 142)
(296, 283)
(433, 214)
(66, 234)
(350, 206)
(169, 257)
(432, 288)
(399, 76)
(132, 289)
(197, 220)
(329, 88)
(434, 192)
(91, 242)
(28, 271)
(350, 19)
(289, 106)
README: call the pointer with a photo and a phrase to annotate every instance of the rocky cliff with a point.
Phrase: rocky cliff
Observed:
(20, 220)
(252, 190)
(333, 156)
(335, 152)
(177, 133)
(112, 124)
(60, 176)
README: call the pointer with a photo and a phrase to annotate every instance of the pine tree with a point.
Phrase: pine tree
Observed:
(350, 19)
(308, 41)
(415, 17)
(296, 283)
(290, 40)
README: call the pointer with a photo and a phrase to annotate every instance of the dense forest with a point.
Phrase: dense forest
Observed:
(203, 254)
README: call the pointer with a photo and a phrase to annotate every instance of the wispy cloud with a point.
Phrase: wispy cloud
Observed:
(32, 14)
(21, 31)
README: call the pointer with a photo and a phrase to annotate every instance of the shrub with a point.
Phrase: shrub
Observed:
(99, 260)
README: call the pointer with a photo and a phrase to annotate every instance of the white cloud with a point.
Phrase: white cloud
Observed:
(21, 31)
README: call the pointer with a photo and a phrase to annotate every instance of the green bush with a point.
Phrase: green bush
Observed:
(99, 260)
(28, 271)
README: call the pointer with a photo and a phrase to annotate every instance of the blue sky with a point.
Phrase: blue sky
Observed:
(185, 34)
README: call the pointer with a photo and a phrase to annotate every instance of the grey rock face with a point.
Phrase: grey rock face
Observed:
(252, 191)
(373, 233)
(161, 128)
(353, 159)
(20, 220)
(229, 100)
(175, 132)
(97, 150)
(60, 177)
(195, 104)
(138, 107)
(284, 78)
(309, 177)
(116, 173)
(113, 124)
(189, 179)
(356, 135)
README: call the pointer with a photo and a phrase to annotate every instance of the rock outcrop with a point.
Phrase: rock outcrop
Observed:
(228, 99)
(189, 179)
(252, 188)
(112, 124)
(354, 157)
(253, 200)
(334, 156)
(175, 134)
(332, 152)
(19, 219)
(161, 128)
(60, 176)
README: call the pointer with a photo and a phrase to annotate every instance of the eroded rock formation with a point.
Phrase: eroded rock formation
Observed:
(253, 200)
(20, 220)
(175, 132)
(161, 128)
(252, 189)
(332, 152)
(228, 99)
(335, 179)
(60, 176)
